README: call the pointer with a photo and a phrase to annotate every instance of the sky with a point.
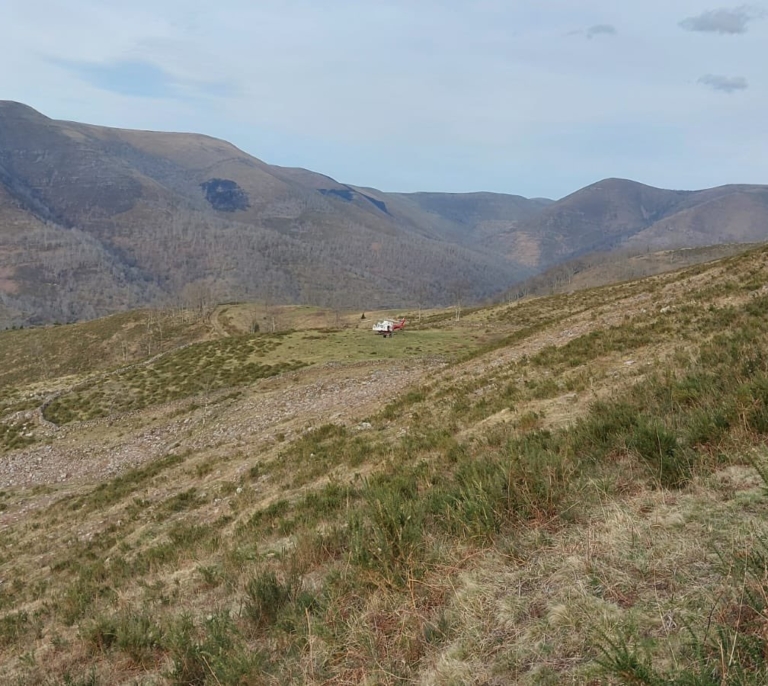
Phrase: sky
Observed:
(536, 98)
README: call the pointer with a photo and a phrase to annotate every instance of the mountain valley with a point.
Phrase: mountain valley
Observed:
(95, 221)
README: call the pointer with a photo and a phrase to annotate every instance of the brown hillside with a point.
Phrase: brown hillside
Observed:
(94, 220)
(175, 214)
(738, 216)
(616, 213)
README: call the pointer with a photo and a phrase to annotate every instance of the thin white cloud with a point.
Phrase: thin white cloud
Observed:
(724, 21)
(595, 30)
(601, 30)
(143, 79)
(726, 84)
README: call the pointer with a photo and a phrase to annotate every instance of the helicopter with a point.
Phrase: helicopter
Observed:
(387, 327)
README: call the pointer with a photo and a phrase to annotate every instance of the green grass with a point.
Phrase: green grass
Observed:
(122, 487)
(44, 353)
(195, 369)
(354, 345)
(239, 361)
(15, 435)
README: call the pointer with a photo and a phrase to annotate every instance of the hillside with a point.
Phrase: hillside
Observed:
(569, 489)
(96, 220)
(617, 214)
(141, 218)
(614, 267)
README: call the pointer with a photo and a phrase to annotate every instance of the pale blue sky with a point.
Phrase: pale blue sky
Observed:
(537, 98)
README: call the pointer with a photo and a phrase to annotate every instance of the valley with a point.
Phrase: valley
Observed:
(383, 344)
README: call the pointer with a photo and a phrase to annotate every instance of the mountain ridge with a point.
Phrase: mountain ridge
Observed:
(141, 218)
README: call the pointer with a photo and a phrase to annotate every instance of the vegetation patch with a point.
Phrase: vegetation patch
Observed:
(15, 435)
(195, 369)
(123, 486)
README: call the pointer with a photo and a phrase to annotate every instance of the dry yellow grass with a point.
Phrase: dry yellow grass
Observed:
(318, 526)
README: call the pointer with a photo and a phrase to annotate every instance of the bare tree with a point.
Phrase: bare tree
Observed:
(458, 290)
(270, 309)
(421, 294)
(252, 320)
(198, 296)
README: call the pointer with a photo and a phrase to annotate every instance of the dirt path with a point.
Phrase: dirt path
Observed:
(215, 322)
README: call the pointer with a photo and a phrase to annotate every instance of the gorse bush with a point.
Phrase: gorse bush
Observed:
(213, 652)
(524, 479)
(387, 535)
(68, 679)
(14, 626)
(465, 496)
(136, 634)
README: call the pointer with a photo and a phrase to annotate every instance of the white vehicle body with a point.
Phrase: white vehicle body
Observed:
(384, 326)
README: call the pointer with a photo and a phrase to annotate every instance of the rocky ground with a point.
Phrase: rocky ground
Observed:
(273, 410)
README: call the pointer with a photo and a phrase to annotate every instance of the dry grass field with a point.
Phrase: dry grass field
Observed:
(564, 490)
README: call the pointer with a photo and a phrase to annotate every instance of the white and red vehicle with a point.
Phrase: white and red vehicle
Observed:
(386, 327)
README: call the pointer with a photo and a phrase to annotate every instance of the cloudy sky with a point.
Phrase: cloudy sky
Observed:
(535, 97)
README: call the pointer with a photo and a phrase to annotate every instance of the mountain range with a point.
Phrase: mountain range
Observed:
(95, 220)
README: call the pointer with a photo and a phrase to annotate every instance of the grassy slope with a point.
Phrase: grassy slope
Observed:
(574, 498)
(38, 354)
(600, 269)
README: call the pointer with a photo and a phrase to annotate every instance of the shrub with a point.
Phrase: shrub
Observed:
(13, 628)
(669, 462)
(387, 535)
(134, 633)
(265, 597)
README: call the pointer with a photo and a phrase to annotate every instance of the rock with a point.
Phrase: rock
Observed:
(364, 426)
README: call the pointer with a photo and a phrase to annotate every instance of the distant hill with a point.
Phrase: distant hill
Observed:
(616, 213)
(606, 268)
(96, 220)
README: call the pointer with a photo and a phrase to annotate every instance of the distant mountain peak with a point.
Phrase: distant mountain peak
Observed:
(11, 108)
